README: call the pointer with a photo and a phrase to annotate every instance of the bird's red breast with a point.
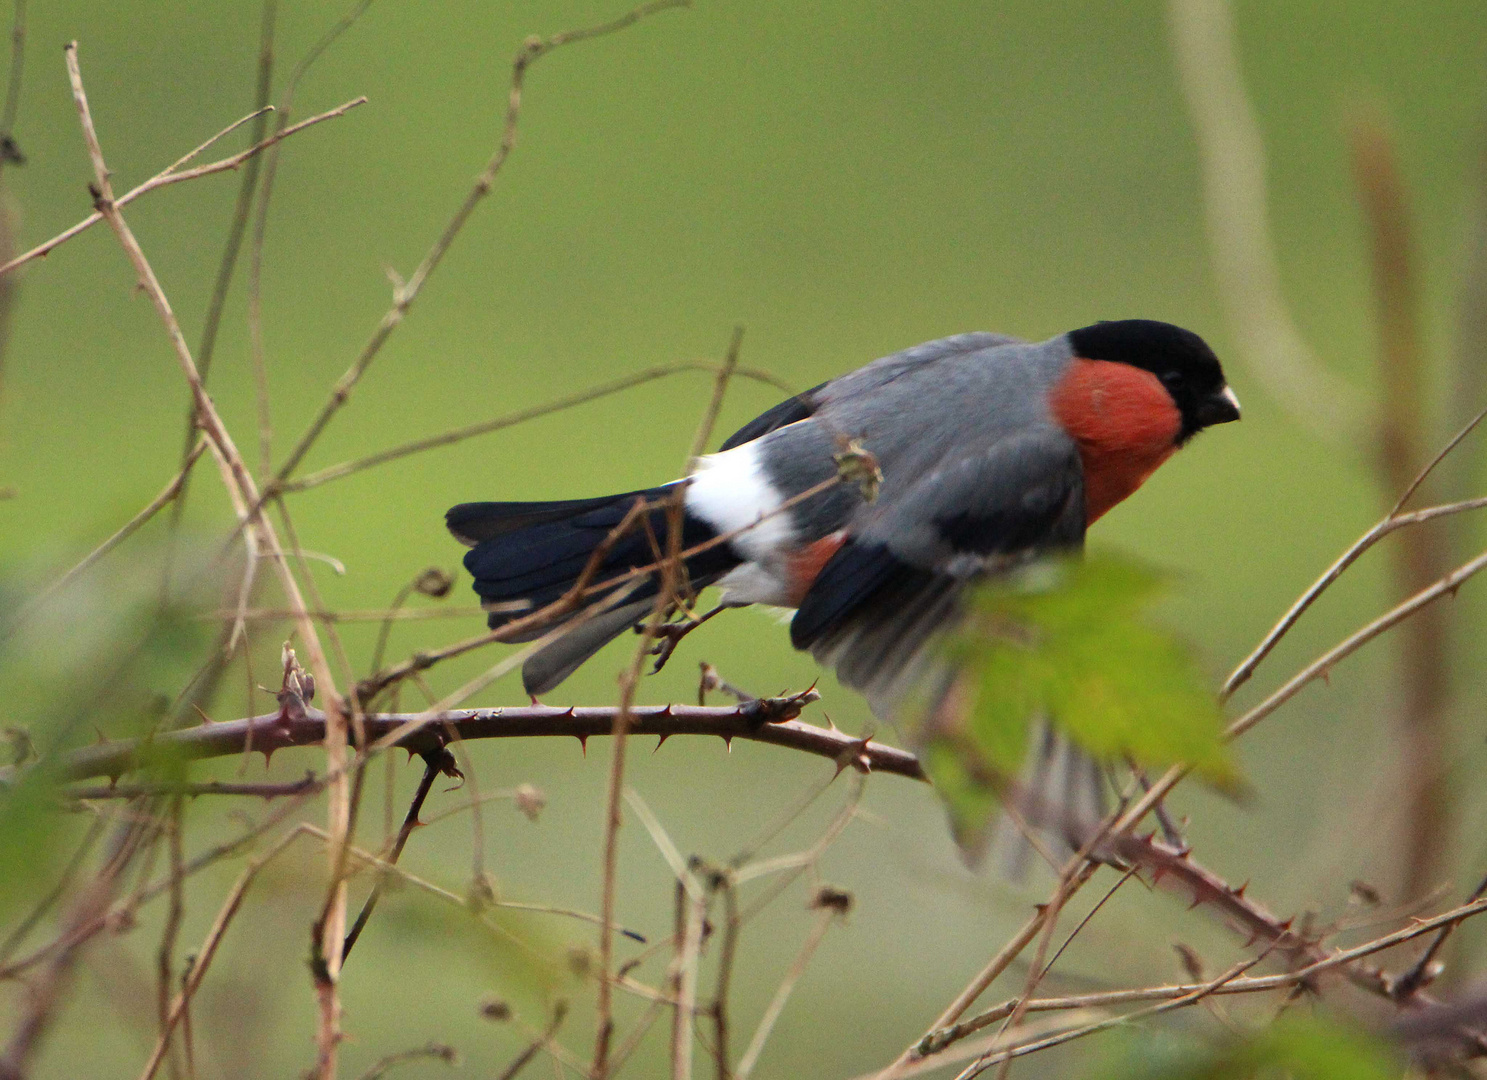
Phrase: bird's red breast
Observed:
(1124, 422)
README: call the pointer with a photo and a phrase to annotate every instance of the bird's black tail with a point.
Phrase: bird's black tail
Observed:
(525, 556)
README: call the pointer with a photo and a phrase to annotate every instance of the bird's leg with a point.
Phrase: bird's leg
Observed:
(669, 635)
(1170, 831)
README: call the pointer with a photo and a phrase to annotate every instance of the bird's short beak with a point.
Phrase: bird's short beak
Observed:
(1221, 408)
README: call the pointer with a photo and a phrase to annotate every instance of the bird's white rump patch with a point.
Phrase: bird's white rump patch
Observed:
(730, 492)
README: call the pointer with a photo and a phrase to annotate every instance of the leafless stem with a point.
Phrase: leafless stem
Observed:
(208, 950)
(167, 494)
(1243, 249)
(239, 483)
(522, 1060)
(824, 918)
(1318, 668)
(167, 178)
(228, 266)
(485, 427)
(307, 786)
(531, 50)
(1422, 740)
(433, 765)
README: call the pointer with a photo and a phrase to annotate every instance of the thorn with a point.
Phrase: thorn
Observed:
(268, 755)
(205, 719)
(536, 701)
(661, 740)
(728, 743)
(1157, 874)
(1326, 676)
(1254, 937)
(102, 739)
(1238, 893)
(666, 712)
(572, 712)
(831, 723)
(583, 744)
(1197, 899)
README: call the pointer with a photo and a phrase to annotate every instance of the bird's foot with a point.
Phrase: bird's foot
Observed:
(669, 635)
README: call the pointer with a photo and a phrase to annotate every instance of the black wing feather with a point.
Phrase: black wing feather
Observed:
(1020, 496)
(801, 407)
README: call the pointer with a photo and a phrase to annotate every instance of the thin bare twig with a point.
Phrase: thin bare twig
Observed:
(433, 765)
(212, 324)
(1423, 741)
(240, 485)
(825, 915)
(1393, 522)
(1318, 668)
(405, 294)
(208, 950)
(260, 229)
(1232, 152)
(520, 416)
(167, 494)
(523, 1059)
(307, 786)
(167, 178)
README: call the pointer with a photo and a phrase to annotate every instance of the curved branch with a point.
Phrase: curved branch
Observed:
(768, 720)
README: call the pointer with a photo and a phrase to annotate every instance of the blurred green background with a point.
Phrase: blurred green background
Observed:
(842, 179)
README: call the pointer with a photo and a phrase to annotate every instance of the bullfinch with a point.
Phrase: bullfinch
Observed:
(972, 454)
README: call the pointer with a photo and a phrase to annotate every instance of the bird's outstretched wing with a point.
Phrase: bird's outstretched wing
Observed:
(896, 583)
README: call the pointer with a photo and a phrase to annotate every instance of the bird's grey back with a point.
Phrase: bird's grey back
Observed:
(913, 411)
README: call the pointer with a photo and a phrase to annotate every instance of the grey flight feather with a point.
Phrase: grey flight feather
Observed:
(554, 662)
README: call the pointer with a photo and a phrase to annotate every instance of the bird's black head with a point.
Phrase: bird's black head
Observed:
(1181, 359)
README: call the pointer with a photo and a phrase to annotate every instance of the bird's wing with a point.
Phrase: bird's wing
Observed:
(896, 582)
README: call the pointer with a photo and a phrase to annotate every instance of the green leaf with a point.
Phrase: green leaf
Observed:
(1069, 641)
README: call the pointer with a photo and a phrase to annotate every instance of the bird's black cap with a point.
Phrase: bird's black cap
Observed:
(1180, 358)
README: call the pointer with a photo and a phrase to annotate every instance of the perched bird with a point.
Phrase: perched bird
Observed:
(952, 460)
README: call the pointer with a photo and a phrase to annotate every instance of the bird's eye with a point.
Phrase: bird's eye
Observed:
(1172, 379)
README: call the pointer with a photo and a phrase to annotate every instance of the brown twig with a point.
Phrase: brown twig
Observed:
(165, 956)
(766, 720)
(826, 914)
(212, 323)
(433, 765)
(167, 494)
(523, 1059)
(165, 179)
(1318, 668)
(208, 950)
(404, 295)
(241, 487)
(1423, 739)
(727, 953)
(1396, 520)
(307, 786)
(437, 1051)
(260, 230)
(520, 416)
